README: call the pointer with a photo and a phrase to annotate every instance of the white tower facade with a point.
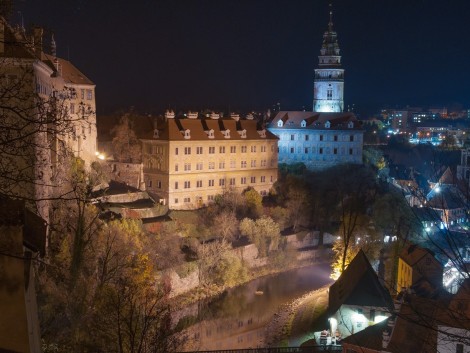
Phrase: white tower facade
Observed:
(329, 77)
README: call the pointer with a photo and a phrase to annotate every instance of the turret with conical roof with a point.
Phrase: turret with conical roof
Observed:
(329, 77)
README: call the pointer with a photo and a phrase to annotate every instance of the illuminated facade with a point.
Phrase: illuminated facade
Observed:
(188, 160)
(329, 77)
(319, 140)
(327, 136)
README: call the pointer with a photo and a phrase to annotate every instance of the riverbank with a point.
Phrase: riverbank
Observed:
(291, 324)
(206, 292)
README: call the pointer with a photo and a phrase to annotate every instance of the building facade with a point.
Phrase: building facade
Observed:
(319, 140)
(48, 114)
(189, 160)
(327, 136)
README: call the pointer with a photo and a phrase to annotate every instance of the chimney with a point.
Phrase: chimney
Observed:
(37, 36)
(235, 117)
(169, 114)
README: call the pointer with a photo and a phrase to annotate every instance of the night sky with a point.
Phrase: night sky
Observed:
(250, 54)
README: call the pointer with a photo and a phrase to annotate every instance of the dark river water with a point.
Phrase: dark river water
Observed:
(238, 317)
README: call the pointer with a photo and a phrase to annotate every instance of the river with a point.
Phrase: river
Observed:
(238, 317)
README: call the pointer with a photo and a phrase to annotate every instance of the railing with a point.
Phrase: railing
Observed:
(278, 350)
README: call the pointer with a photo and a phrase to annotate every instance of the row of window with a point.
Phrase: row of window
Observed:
(294, 137)
(221, 182)
(321, 150)
(222, 149)
(221, 164)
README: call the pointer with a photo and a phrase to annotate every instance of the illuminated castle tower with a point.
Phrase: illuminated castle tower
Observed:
(329, 77)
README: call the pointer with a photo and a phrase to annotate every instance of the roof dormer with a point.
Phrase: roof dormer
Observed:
(262, 133)
(155, 134)
(215, 116)
(226, 133)
(187, 134)
(280, 123)
(242, 133)
(351, 124)
(303, 123)
(210, 133)
(327, 124)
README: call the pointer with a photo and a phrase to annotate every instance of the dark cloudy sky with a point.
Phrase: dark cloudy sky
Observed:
(250, 54)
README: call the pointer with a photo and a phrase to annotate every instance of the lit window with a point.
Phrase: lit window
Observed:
(89, 94)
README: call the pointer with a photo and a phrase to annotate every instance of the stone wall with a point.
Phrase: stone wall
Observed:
(248, 253)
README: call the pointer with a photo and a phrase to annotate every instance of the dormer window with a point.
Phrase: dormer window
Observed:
(280, 123)
(155, 134)
(303, 123)
(210, 133)
(262, 133)
(350, 124)
(327, 125)
(242, 134)
(226, 133)
(187, 134)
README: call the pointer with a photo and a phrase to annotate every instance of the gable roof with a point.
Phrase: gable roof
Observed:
(358, 285)
(314, 120)
(67, 70)
(171, 130)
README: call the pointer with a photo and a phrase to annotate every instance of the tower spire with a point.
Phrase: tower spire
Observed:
(330, 24)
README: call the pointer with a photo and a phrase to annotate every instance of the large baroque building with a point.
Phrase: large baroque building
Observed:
(189, 160)
(327, 136)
